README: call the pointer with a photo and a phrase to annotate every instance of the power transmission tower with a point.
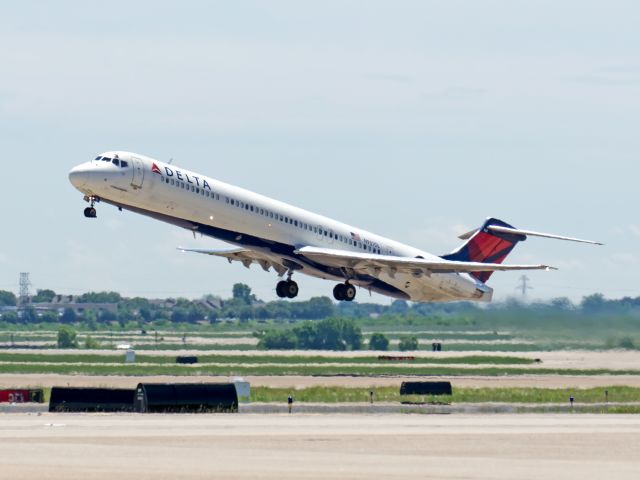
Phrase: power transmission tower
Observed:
(524, 285)
(24, 299)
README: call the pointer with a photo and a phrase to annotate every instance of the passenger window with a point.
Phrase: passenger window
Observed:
(295, 222)
(232, 201)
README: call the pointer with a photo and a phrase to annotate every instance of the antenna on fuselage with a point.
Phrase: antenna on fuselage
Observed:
(170, 160)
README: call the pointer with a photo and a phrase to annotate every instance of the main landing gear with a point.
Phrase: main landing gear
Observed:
(344, 291)
(90, 212)
(287, 289)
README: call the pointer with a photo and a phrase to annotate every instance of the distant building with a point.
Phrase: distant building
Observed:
(61, 302)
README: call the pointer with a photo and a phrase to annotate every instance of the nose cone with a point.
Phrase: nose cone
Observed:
(78, 176)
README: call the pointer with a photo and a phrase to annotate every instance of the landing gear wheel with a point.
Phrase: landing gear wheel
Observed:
(349, 292)
(344, 291)
(292, 289)
(281, 289)
(90, 212)
(287, 289)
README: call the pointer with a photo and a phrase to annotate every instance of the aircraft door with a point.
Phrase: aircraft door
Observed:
(138, 173)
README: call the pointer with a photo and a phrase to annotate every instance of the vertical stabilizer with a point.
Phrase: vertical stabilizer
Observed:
(486, 246)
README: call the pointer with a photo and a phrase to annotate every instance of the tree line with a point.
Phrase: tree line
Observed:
(244, 306)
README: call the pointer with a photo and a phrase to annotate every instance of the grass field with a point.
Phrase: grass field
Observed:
(460, 395)
(260, 358)
(295, 369)
(515, 336)
(540, 396)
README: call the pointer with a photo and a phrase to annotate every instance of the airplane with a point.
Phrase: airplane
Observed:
(288, 239)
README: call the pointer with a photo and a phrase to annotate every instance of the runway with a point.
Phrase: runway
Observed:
(309, 446)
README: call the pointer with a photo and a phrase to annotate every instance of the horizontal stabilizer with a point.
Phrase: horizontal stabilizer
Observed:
(516, 231)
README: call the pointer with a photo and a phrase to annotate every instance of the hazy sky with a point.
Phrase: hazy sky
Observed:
(415, 120)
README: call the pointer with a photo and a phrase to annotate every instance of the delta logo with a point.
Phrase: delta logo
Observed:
(183, 177)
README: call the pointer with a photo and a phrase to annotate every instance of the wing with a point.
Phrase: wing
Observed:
(373, 264)
(243, 255)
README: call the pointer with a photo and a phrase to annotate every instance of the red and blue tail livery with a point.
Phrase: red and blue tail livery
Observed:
(486, 246)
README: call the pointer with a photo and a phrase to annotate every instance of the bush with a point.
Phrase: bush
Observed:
(68, 316)
(627, 343)
(408, 343)
(49, 317)
(91, 343)
(328, 334)
(67, 337)
(378, 341)
(278, 339)
(10, 317)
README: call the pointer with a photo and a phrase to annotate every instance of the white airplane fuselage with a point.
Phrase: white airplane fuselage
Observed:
(275, 229)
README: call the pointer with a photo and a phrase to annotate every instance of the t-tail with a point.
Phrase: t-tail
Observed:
(493, 241)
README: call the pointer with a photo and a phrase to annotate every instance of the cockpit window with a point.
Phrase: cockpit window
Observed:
(98, 158)
(116, 162)
(106, 159)
(124, 163)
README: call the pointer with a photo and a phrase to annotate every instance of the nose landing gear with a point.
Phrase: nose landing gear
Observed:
(344, 291)
(90, 212)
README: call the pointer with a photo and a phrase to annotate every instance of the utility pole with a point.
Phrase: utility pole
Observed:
(524, 285)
